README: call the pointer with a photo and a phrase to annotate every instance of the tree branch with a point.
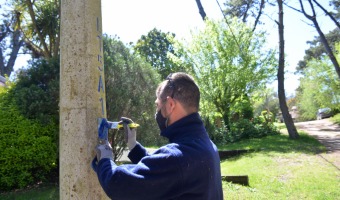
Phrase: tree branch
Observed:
(259, 15)
(46, 51)
(291, 7)
(37, 52)
(304, 12)
(328, 13)
(322, 37)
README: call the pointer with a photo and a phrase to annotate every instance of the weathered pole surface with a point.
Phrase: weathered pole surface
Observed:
(82, 97)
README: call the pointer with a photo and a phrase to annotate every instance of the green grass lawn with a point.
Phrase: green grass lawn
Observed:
(46, 192)
(281, 168)
(278, 168)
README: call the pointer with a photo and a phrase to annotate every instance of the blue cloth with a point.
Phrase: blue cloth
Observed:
(187, 168)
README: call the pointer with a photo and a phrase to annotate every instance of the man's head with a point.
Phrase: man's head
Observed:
(177, 97)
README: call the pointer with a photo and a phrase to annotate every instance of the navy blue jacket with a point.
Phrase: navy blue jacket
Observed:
(187, 168)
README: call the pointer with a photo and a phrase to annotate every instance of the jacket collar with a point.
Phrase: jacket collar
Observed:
(191, 124)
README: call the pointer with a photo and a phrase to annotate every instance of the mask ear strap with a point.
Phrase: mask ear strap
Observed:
(166, 122)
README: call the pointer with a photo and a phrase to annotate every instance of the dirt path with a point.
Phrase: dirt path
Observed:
(328, 134)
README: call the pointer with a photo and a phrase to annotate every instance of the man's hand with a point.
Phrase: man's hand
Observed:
(130, 134)
(104, 151)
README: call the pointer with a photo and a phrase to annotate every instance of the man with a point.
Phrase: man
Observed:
(187, 168)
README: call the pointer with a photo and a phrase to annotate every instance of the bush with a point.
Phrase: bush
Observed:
(36, 91)
(242, 129)
(28, 149)
(245, 129)
(336, 119)
(124, 97)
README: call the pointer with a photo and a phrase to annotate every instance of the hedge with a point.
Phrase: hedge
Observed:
(28, 149)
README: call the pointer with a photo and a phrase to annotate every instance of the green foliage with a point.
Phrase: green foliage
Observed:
(216, 130)
(319, 88)
(265, 99)
(336, 6)
(317, 49)
(28, 148)
(36, 91)
(29, 126)
(39, 22)
(243, 9)
(229, 63)
(45, 192)
(130, 90)
(266, 168)
(242, 109)
(336, 119)
(155, 47)
(282, 168)
(242, 129)
(245, 129)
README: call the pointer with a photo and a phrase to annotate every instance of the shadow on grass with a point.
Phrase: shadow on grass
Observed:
(48, 192)
(277, 143)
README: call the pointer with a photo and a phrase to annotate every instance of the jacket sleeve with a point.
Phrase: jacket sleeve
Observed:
(157, 176)
(137, 153)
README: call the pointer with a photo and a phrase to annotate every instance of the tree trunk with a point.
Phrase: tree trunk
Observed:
(293, 134)
(201, 9)
(17, 43)
(2, 64)
(322, 36)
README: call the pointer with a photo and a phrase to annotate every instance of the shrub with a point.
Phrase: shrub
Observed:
(28, 149)
(36, 91)
(336, 119)
(256, 128)
(240, 129)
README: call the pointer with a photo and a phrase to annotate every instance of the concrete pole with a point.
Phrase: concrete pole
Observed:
(82, 97)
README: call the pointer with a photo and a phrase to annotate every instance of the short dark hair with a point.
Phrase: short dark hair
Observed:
(182, 87)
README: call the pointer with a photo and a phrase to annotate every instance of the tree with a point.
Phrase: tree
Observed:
(227, 70)
(265, 99)
(319, 88)
(293, 134)
(8, 34)
(323, 39)
(36, 91)
(336, 6)
(130, 91)
(30, 120)
(243, 9)
(32, 24)
(154, 48)
(39, 23)
(317, 50)
(329, 14)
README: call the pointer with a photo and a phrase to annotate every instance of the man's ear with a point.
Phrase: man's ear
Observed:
(171, 103)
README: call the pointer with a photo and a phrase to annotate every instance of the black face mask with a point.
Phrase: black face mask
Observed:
(161, 121)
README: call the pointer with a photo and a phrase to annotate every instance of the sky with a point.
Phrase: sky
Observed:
(130, 19)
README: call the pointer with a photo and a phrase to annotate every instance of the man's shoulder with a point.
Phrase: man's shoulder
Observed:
(172, 148)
